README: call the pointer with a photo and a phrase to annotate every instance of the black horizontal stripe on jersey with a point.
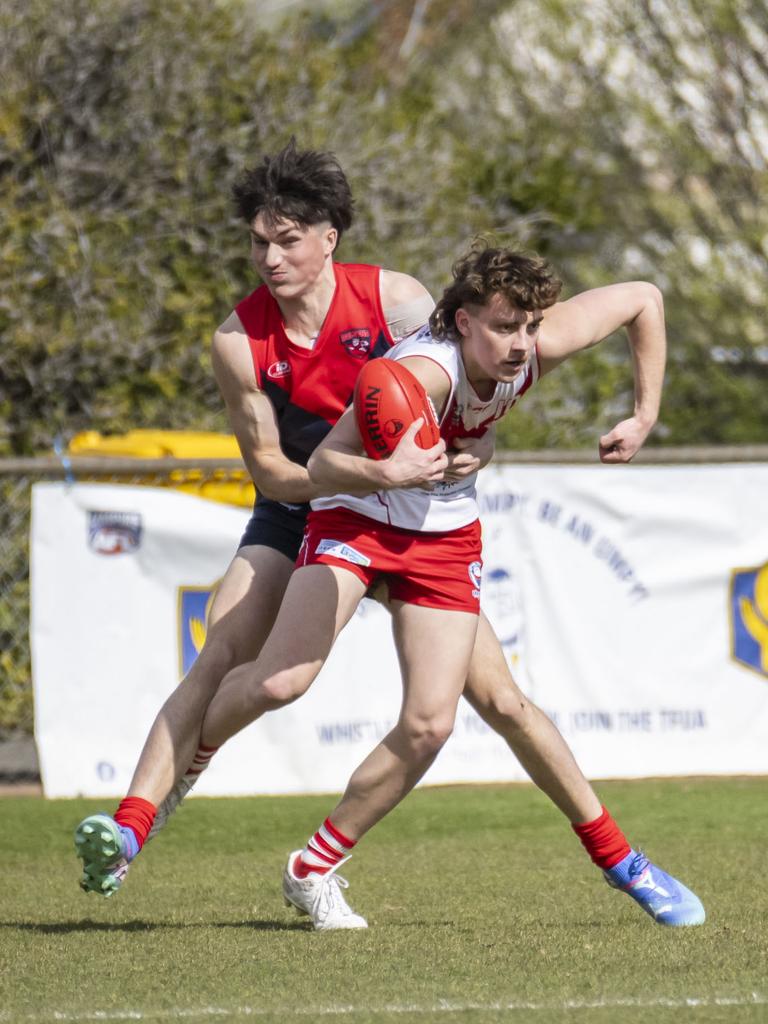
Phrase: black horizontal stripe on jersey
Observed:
(301, 431)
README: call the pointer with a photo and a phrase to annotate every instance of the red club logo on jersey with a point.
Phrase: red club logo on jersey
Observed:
(357, 341)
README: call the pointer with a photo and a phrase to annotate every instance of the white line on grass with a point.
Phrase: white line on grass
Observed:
(441, 1006)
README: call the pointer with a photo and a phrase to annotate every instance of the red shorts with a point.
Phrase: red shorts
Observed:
(437, 570)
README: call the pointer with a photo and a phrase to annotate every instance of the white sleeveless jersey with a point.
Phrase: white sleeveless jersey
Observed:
(448, 506)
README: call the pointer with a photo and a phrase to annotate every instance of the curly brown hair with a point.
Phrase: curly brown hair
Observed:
(524, 279)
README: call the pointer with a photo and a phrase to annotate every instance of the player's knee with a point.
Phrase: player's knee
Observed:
(427, 736)
(510, 713)
(233, 644)
(220, 654)
(285, 686)
(501, 706)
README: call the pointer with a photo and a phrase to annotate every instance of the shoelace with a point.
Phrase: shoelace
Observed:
(329, 895)
(638, 866)
(636, 869)
(665, 892)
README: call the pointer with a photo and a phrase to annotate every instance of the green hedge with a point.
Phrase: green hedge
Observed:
(600, 135)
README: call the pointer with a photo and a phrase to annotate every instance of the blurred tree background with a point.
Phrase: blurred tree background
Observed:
(623, 139)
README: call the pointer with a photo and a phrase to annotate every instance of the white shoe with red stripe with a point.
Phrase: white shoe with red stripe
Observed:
(320, 897)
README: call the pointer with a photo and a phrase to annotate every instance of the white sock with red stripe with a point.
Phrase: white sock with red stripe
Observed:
(324, 850)
(200, 762)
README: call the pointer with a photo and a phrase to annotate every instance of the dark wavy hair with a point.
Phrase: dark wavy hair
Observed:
(303, 185)
(524, 279)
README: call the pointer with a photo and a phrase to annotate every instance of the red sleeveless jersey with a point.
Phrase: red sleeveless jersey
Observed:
(311, 388)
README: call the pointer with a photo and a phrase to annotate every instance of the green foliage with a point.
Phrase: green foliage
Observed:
(623, 140)
(628, 138)
(15, 687)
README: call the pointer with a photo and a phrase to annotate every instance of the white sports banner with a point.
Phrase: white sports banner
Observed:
(632, 603)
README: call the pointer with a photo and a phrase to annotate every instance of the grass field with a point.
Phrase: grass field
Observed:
(481, 904)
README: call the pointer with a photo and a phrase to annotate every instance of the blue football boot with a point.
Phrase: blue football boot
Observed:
(668, 901)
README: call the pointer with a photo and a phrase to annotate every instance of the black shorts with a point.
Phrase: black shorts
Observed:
(278, 526)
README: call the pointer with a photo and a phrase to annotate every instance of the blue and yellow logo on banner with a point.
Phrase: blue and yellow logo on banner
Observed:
(194, 606)
(749, 618)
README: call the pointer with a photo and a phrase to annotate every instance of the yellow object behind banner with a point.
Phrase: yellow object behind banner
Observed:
(230, 486)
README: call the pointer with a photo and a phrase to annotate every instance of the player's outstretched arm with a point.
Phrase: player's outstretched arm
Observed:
(252, 418)
(592, 316)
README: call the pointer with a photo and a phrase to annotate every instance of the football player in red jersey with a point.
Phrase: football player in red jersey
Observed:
(296, 328)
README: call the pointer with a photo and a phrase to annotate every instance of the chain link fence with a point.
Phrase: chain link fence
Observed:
(18, 476)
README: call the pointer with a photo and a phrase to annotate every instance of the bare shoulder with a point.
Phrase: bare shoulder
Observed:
(231, 353)
(395, 288)
(230, 334)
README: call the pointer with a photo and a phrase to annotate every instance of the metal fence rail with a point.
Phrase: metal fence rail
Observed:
(17, 477)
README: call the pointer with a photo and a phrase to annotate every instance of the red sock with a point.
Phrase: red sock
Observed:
(137, 814)
(324, 850)
(603, 840)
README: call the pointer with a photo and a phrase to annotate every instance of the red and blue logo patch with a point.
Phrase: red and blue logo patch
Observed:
(357, 341)
(114, 533)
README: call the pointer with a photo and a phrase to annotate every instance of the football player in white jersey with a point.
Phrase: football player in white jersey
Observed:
(496, 329)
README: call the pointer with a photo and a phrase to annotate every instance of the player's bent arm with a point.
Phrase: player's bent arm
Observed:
(252, 419)
(337, 464)
(587, 319)
(435, 380)
(592, 316)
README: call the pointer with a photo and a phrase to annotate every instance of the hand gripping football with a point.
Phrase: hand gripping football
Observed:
(388, 398)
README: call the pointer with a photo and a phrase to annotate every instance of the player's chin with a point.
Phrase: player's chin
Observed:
(284, 287)
(508, 372)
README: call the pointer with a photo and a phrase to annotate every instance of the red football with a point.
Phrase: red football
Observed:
(388, 398)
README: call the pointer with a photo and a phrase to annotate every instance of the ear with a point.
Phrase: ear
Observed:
(461, 319)
(330, 240)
